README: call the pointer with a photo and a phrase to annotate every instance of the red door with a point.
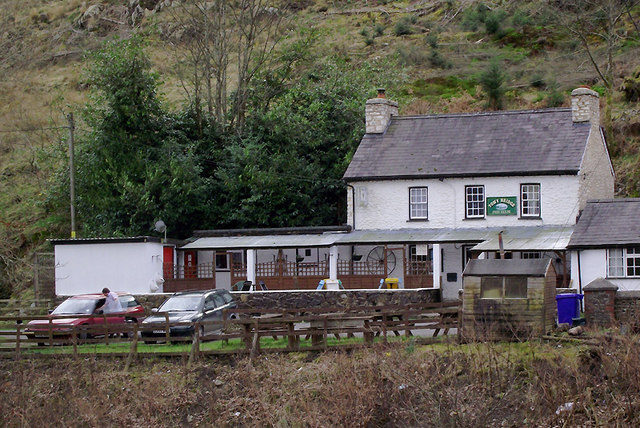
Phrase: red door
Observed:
(167, 262)
(190, 264)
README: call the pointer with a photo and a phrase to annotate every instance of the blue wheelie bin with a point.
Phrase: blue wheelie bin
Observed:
(568, 307)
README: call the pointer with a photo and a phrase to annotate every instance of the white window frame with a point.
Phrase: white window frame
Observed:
(530, 206)
(474, 201)
(623, 262)
(418, 203)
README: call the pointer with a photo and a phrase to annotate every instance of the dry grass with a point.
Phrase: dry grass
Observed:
(468, 385)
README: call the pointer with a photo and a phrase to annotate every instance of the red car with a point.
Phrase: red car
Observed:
(62, 320)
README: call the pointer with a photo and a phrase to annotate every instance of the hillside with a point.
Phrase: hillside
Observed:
(431, 55)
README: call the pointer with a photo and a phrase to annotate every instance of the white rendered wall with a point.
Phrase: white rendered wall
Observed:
(593, 265)
(385, 204)
(88, 268)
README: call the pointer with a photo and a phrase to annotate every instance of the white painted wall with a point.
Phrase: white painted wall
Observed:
(88, 268)
(593, 265)
(385, 204)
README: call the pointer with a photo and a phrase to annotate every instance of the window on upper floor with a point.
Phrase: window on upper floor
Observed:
(530, 200)
(418, 203)
(623, 262)
(474, 200)
(531, 255)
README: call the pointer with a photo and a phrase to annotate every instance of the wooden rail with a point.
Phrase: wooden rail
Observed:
(304, 329)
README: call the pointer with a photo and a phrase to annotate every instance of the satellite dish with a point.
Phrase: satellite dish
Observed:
(160, 226)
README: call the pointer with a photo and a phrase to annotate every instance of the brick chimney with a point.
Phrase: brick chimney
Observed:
(378, 113)
(585, 106)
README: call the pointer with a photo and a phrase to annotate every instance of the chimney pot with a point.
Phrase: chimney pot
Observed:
(381, 93)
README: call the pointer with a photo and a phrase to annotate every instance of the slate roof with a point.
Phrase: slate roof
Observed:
(510, 267)
(531, 142)
(608, 223)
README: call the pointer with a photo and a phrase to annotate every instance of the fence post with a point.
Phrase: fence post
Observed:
(405, 317)
(106, 329)
(51, 332)
(134, 347)
(166, 326)
(74, 341)
(17, 341)
(195, 344)
(384, 327)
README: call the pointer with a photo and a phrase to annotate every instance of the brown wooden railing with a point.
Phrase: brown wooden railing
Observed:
(201, 270)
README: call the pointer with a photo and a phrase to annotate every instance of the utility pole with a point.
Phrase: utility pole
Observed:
(72, 178)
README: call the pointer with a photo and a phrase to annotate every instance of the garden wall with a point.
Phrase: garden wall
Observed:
(316, 298)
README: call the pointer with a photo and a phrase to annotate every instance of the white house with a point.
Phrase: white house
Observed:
(524, 173)
(606, 243)
(133, 265)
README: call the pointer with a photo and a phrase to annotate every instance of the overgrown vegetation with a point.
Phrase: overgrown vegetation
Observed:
(499, 384)
(253, 124)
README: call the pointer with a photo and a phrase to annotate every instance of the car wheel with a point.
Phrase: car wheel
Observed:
(41, 343)
(129, 334)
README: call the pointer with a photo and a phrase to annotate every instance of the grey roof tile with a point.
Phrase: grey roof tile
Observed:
(608, 223)
(481, 144)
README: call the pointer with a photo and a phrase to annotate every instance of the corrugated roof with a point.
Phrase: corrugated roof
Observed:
(542, 238)
(549, 238)
(498, 143)
(263, 242)
(608, 223)
(515, 267)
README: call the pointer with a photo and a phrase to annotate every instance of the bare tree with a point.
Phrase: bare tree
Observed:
(601, 26)
(227, 44)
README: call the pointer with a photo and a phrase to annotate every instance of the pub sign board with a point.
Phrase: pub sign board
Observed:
(502, 205)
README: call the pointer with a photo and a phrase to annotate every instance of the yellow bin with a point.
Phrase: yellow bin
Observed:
(391, 283)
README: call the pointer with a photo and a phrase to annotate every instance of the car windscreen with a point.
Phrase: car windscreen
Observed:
(76, 306)
(181, 303)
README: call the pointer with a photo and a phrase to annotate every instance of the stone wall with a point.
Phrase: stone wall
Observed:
(334, 298)
(315, 298)
(627, 307)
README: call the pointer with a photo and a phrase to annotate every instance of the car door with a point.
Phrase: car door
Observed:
(217, 315)
(208, 312)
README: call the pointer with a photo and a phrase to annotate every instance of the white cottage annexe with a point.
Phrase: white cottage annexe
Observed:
(134, 265)
(606, 243)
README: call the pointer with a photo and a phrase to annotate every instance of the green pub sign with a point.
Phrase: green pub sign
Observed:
(503, 205)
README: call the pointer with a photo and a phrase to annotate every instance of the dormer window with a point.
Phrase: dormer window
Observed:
(418, 203)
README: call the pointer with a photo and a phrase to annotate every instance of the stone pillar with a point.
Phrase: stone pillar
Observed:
(599, 303)
(333, 262)
(252, 255)
(585, 106)
(436, 262)
(378, 112)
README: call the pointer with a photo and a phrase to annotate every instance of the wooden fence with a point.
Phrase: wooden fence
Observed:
(9, 307)
(306, 329)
